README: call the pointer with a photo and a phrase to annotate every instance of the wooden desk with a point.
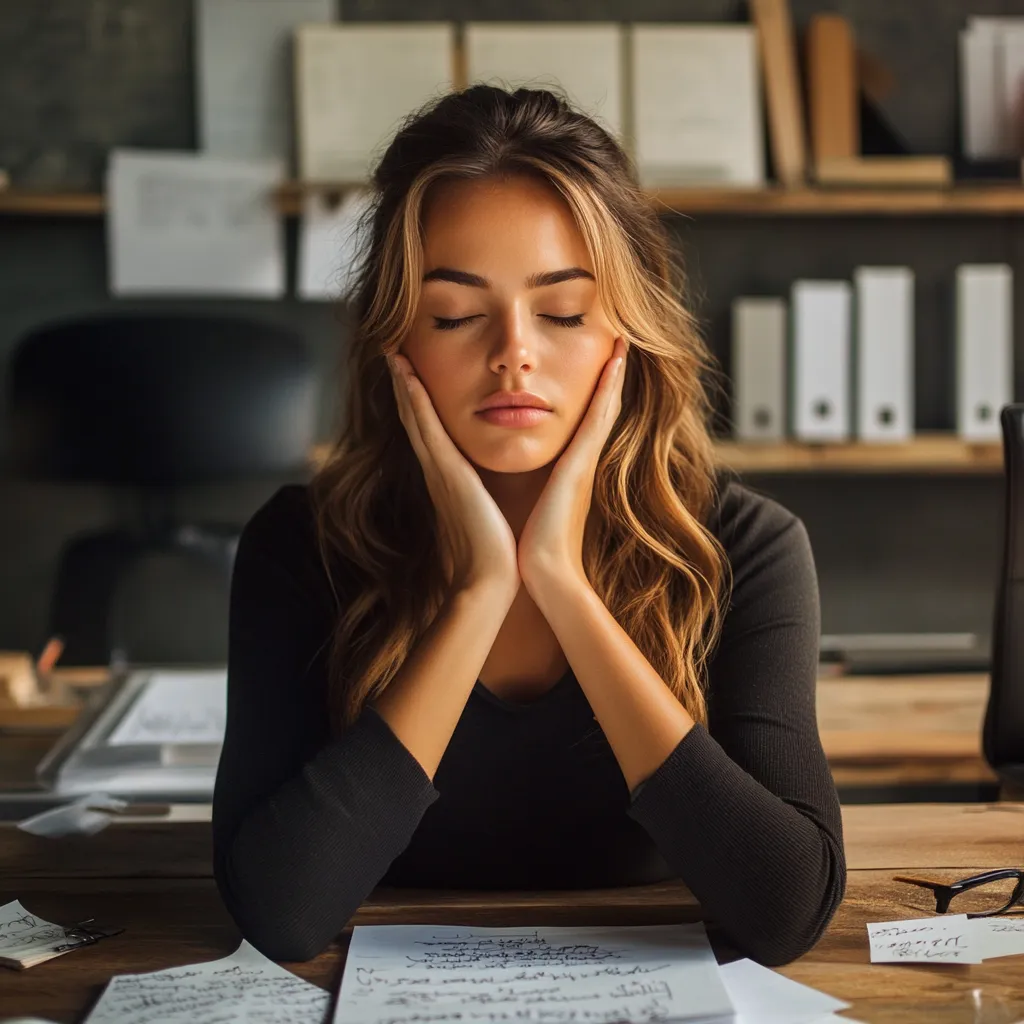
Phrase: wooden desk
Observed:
(172, 921)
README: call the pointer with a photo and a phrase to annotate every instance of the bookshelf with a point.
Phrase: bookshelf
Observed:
(926, 453)
(993, 200)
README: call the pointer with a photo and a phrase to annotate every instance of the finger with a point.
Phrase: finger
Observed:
(406, 412)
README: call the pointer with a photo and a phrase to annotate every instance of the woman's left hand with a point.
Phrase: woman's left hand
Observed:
(551, 543)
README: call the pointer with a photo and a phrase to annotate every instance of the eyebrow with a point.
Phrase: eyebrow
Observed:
(539, 280)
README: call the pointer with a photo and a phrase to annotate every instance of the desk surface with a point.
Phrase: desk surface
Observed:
(171, 921)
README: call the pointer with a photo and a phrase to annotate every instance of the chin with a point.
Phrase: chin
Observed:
(515, 455)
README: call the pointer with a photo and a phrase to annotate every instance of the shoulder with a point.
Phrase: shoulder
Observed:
(767, 545)
(279, 544)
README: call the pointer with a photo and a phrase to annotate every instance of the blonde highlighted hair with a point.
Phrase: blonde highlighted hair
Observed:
(650, 555)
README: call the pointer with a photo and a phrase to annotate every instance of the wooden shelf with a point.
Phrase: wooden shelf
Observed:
(992, 200)
(928, 453)
(939, 453)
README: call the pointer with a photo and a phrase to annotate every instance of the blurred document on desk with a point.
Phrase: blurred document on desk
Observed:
(403, 973)
(585, 59)
(190, 224)
(357, 83)
(245, 986)
(697, 105)
(244, 73)
(331, 244)
(176, 707)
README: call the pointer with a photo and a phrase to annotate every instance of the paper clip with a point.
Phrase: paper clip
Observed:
(84, 935)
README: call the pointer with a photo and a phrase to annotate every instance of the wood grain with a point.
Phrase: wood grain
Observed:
(172, 922)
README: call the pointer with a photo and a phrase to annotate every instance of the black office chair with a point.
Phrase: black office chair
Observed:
(1003, 737)
(156, 402)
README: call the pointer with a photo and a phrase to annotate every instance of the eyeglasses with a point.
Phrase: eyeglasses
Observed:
(81, 935)
(989, 894)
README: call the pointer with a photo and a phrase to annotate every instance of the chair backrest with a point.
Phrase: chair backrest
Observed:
(160, 399)
(1003, 735)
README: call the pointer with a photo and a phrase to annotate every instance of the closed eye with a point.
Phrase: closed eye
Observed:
(443, 324)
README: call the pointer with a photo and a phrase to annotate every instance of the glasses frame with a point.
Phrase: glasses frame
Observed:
(944, 893)
(83, 935)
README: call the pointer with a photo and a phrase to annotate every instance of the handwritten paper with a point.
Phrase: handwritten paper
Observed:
(243, 988)
(942, 939)
(183, 223)
(400, 974)
(999, 936)
(26, 939)
(176, 707)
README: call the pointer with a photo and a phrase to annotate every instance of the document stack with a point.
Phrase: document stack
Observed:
(153, 733)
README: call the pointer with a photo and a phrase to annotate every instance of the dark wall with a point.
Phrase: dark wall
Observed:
(78, 76)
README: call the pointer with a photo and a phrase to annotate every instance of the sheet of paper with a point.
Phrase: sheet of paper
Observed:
(399, 974)
(73, 818)
(999, 936)
(28, 937)
(243, 988)
(945, 938)
(176, 707)
(697, 105)
(191, 224)
(357, 83)
(243, 59)
(330, 244)
(583, 58)
(763, 996)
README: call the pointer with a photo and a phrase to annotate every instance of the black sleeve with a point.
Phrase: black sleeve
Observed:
(746, 811)
(304, 826)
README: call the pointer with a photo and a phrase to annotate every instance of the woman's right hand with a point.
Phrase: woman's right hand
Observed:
(477, 543)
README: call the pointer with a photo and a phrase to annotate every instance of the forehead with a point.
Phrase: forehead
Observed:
(517, 219)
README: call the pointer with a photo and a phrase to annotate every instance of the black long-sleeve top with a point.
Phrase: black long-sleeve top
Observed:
(526, 795)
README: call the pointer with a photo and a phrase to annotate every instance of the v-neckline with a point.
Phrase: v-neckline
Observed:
(501, 702)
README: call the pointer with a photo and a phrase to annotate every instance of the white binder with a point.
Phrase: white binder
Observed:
(820, 408)
(984, 348)
(759, 368)
(884, 353)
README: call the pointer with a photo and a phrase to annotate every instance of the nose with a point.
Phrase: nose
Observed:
(514, 349)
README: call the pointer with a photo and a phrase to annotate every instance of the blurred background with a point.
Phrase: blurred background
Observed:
(821, 138)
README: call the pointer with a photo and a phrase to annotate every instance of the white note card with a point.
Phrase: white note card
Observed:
(192, 224)
(583, 58)
(237, 989)
(999, 935)
(332, 241)
(946, 938)
(244, 73)
(400, 974)
(176, 707)
(357, 83)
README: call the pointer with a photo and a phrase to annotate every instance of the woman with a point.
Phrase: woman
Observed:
(549, 648)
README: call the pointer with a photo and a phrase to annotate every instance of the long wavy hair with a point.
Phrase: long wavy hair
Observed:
(647, 552)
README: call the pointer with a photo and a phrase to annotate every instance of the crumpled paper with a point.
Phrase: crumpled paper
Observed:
(73, 818)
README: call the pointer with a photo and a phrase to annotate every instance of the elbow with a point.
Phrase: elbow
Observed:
(797, 928)
(265, 922)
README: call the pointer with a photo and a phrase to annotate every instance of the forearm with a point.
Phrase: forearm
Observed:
(424, 701)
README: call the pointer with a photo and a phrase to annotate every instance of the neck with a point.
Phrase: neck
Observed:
(515, 493)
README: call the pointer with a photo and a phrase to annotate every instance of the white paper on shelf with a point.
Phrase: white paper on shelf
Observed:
(245, 986)
(244, 73)
(191, 224)
(357, 83)
(331, 243)
(176, 707)
(697, 105)
(405, 973)
(584, 58)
